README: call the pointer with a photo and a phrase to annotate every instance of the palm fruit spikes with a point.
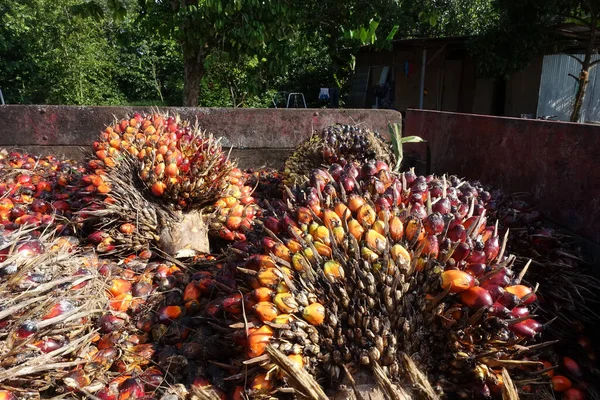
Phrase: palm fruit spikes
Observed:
(335, 144)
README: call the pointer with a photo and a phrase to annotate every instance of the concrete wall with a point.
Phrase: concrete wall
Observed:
(259, 136)
(556, 162)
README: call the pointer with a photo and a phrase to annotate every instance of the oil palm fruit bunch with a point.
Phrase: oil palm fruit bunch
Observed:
(368, 278)
(152, 175)
(36, 191)
(335, 144)
(50, 294)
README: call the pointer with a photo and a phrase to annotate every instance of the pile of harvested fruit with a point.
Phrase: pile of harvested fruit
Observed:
(157, 269)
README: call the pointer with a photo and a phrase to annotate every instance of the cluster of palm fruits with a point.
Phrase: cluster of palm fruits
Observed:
(35, 191)
(335, 144)
(51, 295)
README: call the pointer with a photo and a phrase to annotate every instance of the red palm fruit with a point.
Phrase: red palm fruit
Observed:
(119, 286)
(132, 388)
(476, 256)
(152, 378)
(528, 328)
(519, 312)
(507, 299)
(499, 276)
(574, 394)
(456, 281)
(266, 311)
(48, 345)
(192, 291)
(110, 392)
(434, 224)
(60, 308)
(239, 393)
(457, 233)
(476, 297)
(121, 302)
(560, 383)
(26, 329)
(110, 323)
(477, 269)
(523, 292)
(431, 247)
(573, 367)
(442, 206)
(40, 206)
(461, 252)
(258, 341)
(233, 303)
(492, 248)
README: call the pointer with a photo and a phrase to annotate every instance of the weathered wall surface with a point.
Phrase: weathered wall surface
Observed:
(557, 163)
(259, 136)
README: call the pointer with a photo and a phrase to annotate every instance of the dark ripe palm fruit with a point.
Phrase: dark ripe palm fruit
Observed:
(337, 144)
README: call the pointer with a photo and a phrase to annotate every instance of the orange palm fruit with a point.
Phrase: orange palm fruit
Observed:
(121, 302)
(342, 210)
(376, 241)
(261, 383)
(355, 229)
(263, 294)
(379, 227)
(322, 249)
(269, 277)
(331, 219)
(333, 270)
(119, 286)
(303, 215)
(366, 215)
(258, 341)
(521, 291)
(285, 302)
(355, 202)
(400, 254)
(314, 314)
(457, 281)
(266, 311)
(192, 291)
(127, 228)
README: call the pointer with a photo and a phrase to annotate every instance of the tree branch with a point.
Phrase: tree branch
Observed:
(574, 77)
(577, 59)
(594, 63)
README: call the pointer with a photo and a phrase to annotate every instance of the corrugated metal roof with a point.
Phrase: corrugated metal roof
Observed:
(558, 88)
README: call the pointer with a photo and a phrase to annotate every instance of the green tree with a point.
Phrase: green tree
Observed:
(48, 55)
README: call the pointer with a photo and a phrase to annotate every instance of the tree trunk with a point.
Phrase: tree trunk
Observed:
(585, 72)
(193, 73)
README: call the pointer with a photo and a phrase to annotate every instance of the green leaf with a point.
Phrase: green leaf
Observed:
(363, 35)
(392, 33)
(412, 139)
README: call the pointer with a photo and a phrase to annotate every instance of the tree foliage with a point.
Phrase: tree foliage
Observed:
(51, 56)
